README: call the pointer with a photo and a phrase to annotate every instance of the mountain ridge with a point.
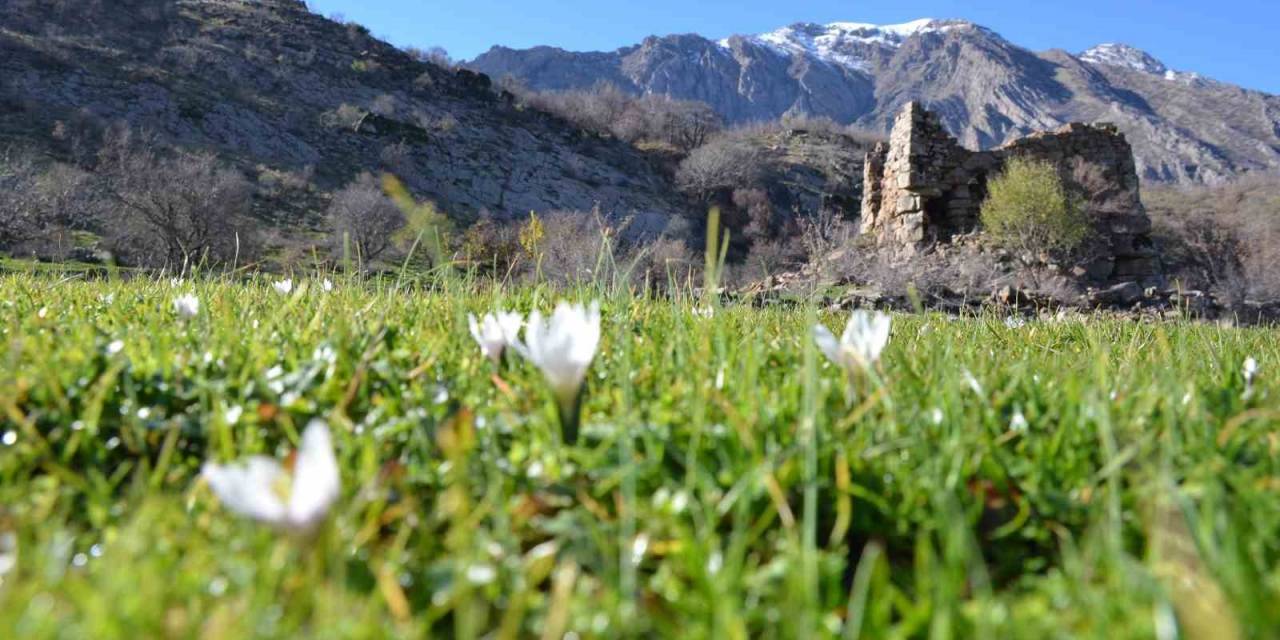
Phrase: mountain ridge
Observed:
(1185, 128)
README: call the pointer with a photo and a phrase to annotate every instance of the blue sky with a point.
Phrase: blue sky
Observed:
(1235, 41)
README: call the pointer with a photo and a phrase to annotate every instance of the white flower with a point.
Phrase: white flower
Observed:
(327, 285)
(1014, 322)
(283, 287)
(8, 553)
(973, 383)
(1019, 421)
(187, 306)
(1250, 370)
(864, 339)
(705, 312)
(495, 332)
(115, 347)
(563, 347)
(639, 546)
(481, 574)
(261, 489)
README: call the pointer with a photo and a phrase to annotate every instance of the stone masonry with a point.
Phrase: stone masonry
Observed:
(923, 187)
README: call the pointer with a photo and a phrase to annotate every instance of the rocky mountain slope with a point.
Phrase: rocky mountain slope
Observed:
(280, 91)
(1184, 128)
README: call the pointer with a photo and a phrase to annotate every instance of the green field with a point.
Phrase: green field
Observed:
(1082, 478)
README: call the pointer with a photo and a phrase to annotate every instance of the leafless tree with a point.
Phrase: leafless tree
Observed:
(172, 208)
(41, 203)
(361, 213)
(721, 165)
(607, 109)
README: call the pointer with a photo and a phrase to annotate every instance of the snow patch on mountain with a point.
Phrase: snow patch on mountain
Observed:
(1123, 55)
(1127, 57)
(847, 43)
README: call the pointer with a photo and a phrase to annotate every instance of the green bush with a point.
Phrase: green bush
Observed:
(1029, 211)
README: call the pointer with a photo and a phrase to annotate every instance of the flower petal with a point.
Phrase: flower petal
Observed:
(249, 487)
(826, 341)
(316, 482)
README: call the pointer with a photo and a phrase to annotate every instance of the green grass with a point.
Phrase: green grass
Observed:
(727, 485)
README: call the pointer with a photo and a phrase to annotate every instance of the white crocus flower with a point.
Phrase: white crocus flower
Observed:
(261, 489)
(859, 348)
(283, 287)
(187, 306)
(495, 332)
(563, 347)
(8, 553)
(327, 285)
(1250, 370)
(1019, 421)
(1015, 322)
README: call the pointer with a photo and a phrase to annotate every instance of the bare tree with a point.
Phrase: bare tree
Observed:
(363, 214)
(683, 123)
(172, 208)
(722, 165)
(607, 109)
(17, 172)
(41, 203)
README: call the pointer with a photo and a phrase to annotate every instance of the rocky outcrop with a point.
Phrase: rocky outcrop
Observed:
(986, 90)
(923, 187)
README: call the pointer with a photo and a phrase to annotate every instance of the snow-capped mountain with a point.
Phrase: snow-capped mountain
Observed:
(848, 43)
(987, 89)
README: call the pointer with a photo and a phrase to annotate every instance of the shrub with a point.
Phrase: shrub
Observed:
(344, 117)
(493, 249)
(724, 164)
(663, 264)
(363, 215)
(1224, 238)
(1028, 211)
(606, 109)
(427, 231)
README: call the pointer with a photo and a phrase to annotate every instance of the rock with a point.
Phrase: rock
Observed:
(1124, 294)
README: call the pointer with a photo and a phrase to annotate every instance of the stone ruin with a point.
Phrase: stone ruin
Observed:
(923, 187)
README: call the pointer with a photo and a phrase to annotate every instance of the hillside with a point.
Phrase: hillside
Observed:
(1185, 128)
(280, 91)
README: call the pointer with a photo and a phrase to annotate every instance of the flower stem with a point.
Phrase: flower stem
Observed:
(570, 412)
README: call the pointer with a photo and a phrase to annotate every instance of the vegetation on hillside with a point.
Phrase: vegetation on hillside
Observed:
(1224, 238)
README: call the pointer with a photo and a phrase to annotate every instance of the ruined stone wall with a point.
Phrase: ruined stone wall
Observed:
(922, 187)
(916, 186)
(1097, 165)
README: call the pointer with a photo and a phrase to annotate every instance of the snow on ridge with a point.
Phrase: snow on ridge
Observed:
(1122, 55)
(844, 43)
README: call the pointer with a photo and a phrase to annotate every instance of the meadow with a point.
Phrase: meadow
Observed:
(1084, 477)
